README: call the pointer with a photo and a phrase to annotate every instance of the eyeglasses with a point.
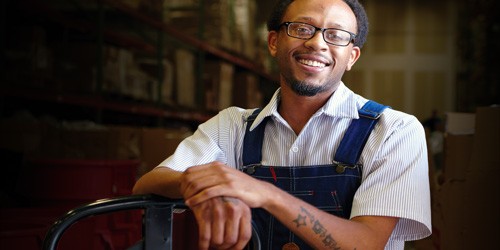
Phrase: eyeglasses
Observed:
(330, 35)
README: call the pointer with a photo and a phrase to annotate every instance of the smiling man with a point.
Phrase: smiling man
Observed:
(319, 167)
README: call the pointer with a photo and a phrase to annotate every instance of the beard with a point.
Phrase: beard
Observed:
(303, 88)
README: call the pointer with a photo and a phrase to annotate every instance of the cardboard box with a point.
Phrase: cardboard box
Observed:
(487, 139)
(116, 142)
(75, 66)
(159, 143)
(457, 155)
(452, 214)
(466, 212)
(460, 123)
(246, 90)
(481, 194)
(185, 80)
(22, 133)
(219, 80)
(125, 142)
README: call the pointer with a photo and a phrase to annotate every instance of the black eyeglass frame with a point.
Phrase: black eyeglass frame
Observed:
(316, 29)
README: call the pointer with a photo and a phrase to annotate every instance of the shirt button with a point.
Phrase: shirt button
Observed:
(295, 149)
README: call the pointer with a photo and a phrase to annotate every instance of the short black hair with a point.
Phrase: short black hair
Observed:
(276, 17)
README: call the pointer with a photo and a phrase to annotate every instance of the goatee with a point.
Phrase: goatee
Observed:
(302, 88)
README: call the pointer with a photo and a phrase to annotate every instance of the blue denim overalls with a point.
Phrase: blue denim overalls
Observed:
(329, 187)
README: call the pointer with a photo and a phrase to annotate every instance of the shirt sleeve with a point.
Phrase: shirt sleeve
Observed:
(395, 176)
(214, 140)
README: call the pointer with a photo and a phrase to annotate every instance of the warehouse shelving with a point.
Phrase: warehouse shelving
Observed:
(93, 28)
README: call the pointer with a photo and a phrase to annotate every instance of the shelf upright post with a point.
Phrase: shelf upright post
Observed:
(99, 76)
(160, 69)
(3, 50)
(3, 33)
(200, 93)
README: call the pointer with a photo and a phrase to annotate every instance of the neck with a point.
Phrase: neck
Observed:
(297, 110)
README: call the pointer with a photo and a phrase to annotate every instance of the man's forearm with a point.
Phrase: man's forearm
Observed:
(325, 231)
(161, 181)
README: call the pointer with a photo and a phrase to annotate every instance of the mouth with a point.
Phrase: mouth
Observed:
(313, 63)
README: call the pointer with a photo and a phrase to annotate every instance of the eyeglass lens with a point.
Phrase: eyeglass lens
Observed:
(306, 31)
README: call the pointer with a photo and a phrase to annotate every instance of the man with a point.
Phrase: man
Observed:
(380, 201)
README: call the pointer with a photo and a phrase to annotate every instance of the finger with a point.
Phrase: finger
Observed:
(218, 218)
(232, 232)
(245, 230)
(231, 217)
(201, 184)
(203, 219)
(238, 229)
(209, 193)
(193, 174)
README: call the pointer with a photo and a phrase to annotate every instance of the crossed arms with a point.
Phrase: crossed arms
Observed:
(221, 198)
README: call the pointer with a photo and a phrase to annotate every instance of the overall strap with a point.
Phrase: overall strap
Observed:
(357, 133)
(350, 147)
(252, 142)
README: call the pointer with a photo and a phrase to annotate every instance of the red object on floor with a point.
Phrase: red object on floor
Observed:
(51, 187)
(73, 182)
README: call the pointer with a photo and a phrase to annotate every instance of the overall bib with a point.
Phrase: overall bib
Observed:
(330, 188)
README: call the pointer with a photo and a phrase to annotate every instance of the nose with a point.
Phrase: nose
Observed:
(317, 42)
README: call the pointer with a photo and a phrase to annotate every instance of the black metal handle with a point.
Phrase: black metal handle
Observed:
(157, 221)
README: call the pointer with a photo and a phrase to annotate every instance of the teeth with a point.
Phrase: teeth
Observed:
(312, 63)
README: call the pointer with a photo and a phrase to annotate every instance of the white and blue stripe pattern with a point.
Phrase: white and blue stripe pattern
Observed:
(395, 169)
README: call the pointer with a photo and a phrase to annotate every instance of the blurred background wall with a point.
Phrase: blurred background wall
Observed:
(424, 56)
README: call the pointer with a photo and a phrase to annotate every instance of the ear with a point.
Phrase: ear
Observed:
(272, 41)
(355, 54)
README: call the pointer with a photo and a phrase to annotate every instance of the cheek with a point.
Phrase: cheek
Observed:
(282, 55)
(342, 60)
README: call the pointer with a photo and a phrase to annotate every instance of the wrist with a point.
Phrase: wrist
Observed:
(273, 197)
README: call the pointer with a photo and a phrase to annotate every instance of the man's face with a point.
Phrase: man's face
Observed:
(310, 67)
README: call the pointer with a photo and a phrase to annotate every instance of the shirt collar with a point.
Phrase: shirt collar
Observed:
(342, 104)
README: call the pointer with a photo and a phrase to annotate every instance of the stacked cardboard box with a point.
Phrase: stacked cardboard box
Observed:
(228, 24)
(69, 164)
(465, 213)
(185, 69)
(159, 143)
(481, 193)
(38, 139)
(247, 93)
(219, 83)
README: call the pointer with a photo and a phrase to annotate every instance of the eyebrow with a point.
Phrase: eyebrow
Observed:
(309, 19)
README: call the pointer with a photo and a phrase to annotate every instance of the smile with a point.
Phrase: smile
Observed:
(312, 63)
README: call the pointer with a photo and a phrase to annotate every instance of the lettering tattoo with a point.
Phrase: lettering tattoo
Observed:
(308, 214)
(319, 229)
(306, 218)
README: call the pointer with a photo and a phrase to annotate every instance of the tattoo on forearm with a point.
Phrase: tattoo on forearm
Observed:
(300, 221)
(305, 218)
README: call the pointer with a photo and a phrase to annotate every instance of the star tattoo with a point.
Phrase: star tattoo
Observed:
(300, 221)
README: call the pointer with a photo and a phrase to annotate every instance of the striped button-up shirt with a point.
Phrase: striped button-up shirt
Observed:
(395, 168)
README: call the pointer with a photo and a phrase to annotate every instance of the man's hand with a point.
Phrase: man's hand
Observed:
(224, 223)
(204, 182)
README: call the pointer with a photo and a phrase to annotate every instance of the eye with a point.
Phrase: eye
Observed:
(336, 35)
(303, 30)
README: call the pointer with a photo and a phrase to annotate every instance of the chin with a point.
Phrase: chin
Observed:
(305, 89)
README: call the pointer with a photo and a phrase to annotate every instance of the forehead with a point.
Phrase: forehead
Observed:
(322, 13)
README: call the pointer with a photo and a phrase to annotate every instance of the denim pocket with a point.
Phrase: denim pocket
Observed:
(327, 201)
